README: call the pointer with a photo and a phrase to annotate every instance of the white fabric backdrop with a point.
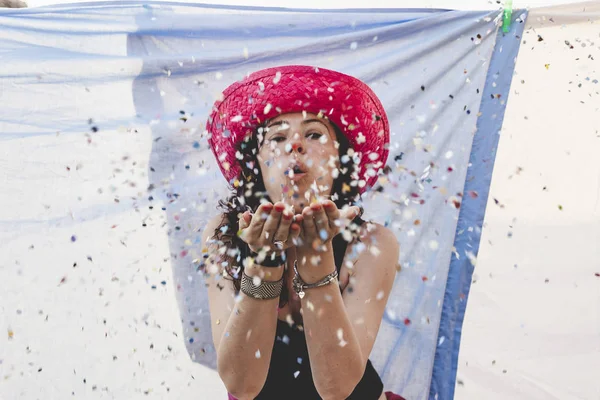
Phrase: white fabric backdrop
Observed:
(97, 209)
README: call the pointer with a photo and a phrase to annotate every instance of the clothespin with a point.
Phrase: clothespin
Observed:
(507, 16)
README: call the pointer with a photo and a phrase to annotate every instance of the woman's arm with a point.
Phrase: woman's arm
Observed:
(340, 330)
(243, 328)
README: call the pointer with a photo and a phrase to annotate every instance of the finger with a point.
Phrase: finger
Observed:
(349, 212)
(321, 221)
(245, 220)
(308, 224)
(333, 213)
(295, 231)
(283, 230)
(260, 217)
(272, 222)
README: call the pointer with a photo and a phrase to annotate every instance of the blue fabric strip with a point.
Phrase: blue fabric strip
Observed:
(470, 221)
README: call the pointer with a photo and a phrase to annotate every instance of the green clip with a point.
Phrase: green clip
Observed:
(507, 16)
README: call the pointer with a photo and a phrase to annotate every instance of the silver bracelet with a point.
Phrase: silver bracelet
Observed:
(264, 291)
(300, 286)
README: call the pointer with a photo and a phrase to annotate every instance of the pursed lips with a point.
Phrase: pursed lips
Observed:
(296, 171)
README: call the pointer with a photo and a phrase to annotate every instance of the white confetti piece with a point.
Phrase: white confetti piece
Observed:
(380, 295)
(237, 118)
(218, 75)
(257, 354)
(299, 360)
(267, 108)
(285, 339)
(360, 138)
(353, 46)
(246, 55)
(296, 374)
(340, 335)
(471, 257)
(449, 154)
(277, 77)
(375, 251)
(442, 339)
(433, 245)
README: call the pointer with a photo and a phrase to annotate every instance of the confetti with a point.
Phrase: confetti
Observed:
(340, 335)
(257, 354)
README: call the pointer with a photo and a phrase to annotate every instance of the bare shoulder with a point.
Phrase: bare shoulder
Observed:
(221, 293)
(383, 238)
(380, 247)
(211, 226)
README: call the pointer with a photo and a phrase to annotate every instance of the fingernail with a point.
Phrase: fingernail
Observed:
(268, 207)
(279, 207)
(316, 206)
(287, 216)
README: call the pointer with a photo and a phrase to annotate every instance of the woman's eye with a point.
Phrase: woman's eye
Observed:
(314, 135)
(278, 139)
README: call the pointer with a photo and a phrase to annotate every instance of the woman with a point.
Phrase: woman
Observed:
(298, 146)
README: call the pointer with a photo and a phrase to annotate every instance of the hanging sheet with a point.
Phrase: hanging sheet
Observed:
(105, 161)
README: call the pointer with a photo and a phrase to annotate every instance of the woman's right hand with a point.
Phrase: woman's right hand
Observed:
(270, 223)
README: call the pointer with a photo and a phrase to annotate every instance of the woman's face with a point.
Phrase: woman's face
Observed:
(298, 158)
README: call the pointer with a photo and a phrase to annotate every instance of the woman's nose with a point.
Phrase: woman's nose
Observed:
(296, 145)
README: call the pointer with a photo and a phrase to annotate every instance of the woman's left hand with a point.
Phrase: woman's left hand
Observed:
(321, 222)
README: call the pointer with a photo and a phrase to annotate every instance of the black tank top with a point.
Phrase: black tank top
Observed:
(290, 376)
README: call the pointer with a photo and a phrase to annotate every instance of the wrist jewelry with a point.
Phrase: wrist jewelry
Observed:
(300, 286)
(263, 291)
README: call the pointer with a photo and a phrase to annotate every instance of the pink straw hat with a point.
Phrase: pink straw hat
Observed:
(265, 94)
